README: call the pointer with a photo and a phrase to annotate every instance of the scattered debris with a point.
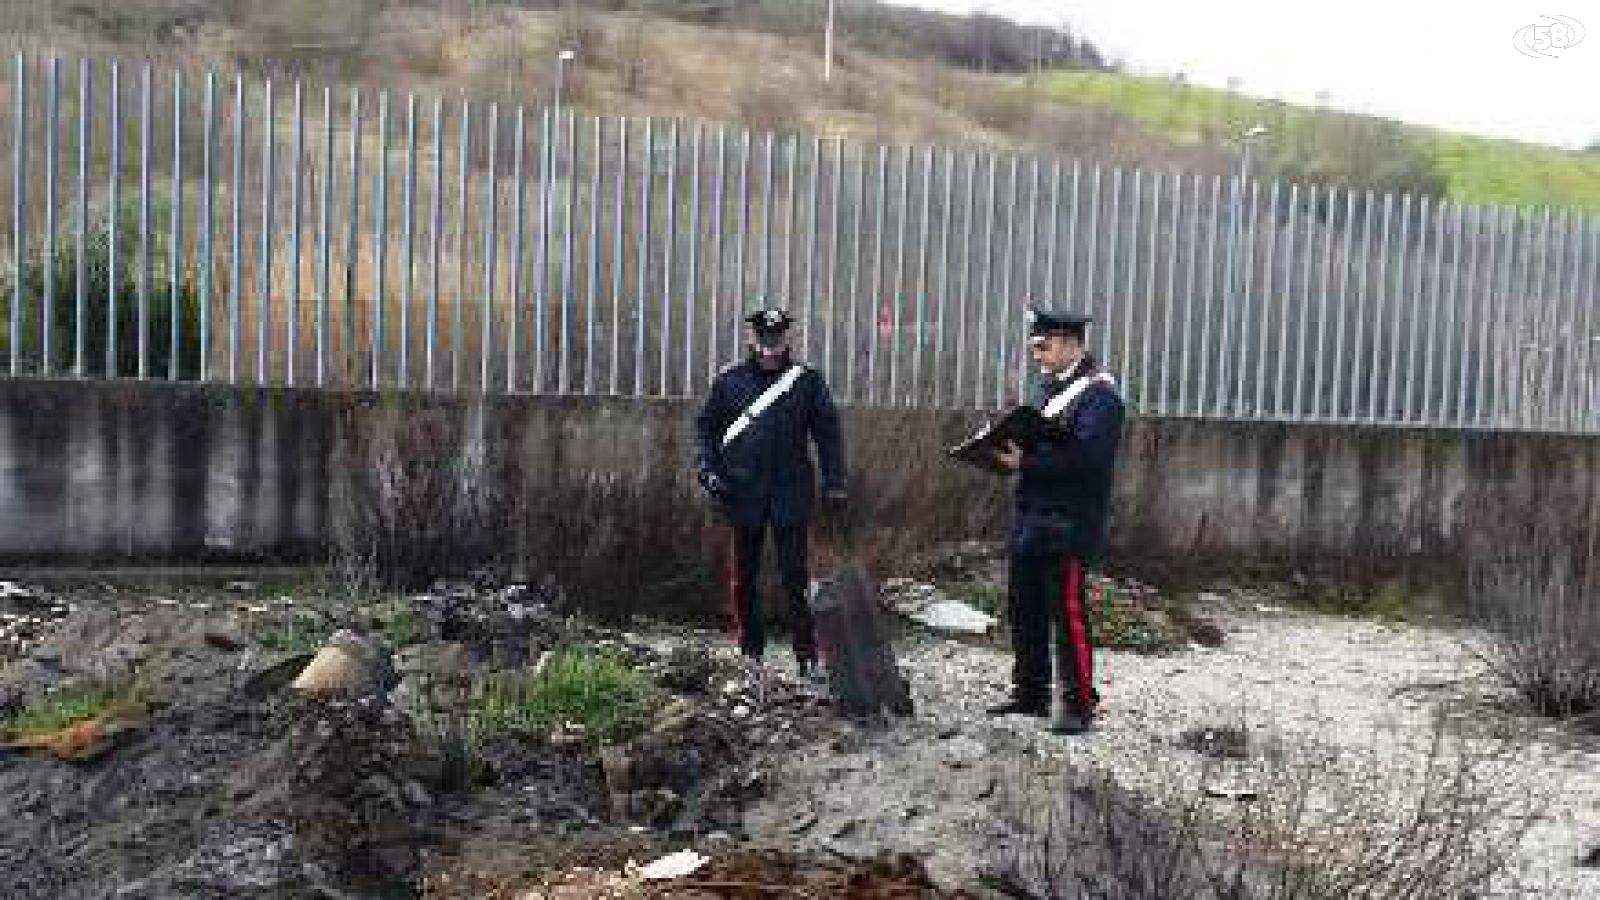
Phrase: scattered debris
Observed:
(85, 740)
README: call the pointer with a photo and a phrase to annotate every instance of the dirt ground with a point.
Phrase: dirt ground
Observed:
(221, 781)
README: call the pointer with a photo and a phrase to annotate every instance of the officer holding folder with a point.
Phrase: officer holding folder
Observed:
(1063, 455)
(754, 460)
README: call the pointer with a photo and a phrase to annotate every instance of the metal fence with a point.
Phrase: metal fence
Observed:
(177, 225)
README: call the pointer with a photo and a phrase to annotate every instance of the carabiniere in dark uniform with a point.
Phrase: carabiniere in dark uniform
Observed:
(754, 461)
(1063, 497)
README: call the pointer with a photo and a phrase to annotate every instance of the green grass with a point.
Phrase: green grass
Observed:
(398, 621)
(298, 632)
(58, 710)
(596, 689)
(1475, 169)
(982, 595)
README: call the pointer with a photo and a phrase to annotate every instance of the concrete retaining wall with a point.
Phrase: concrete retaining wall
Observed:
(94, 471)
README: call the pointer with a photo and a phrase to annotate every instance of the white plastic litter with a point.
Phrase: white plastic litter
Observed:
(674, 865)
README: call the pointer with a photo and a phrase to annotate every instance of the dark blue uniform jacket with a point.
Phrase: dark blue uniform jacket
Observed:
(1063, 494)
(767, 468)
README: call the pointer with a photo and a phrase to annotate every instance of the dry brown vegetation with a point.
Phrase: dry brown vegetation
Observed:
(628, 63)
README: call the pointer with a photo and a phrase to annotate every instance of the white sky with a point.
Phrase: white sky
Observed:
(1428, 61)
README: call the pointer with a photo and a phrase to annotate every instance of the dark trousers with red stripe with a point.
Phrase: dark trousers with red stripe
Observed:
(1046, 591)
(744, 589)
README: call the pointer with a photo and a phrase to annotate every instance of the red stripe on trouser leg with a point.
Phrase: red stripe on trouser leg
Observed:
(1077, 634)
(735, 616)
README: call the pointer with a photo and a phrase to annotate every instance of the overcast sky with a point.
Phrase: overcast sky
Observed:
(1453, 65)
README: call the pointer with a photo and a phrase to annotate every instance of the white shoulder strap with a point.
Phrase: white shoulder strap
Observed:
(761, 403)
(1059, 403)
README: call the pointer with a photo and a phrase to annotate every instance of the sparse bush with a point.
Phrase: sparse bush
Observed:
(414, 499)
(1544, 635)
(1316, 825)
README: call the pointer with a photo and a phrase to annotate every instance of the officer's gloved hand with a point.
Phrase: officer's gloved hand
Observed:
(713, 484)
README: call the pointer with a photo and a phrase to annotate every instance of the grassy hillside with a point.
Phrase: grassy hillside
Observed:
(1471, 169)
(758, 62)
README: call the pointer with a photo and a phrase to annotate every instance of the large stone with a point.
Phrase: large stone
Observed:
(349, 665)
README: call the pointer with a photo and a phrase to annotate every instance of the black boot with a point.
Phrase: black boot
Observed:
(1020, 707)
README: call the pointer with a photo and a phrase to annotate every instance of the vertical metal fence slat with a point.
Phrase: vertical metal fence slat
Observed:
(52, 151)
(836, 188)
(491, 246)
(236, 232)
(208, 199)
(345, 361)
(408, 248)
(941, 354)
(175, 236)
(619, 256)
(592, 288)
(641, 303)
(296, 195)
(324, 243)
(669, 253)
(1130, 280)
(876, 295)
(1301, 403)
(519, 222)
(264, 325)
(19, 208)
(146, 126)
(811, 246)
(430, 337)
(920, 315)
(897, 287)
(487, 298)
(1168, 390)
(81, 221)
(564, 365)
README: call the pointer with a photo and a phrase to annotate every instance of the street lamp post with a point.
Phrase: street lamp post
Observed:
(1235, 229)
(827, 44)
(562, 59)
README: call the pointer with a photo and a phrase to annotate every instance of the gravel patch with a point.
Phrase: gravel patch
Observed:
(1371, 693)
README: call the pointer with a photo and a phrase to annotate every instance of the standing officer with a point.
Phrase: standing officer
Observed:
(754, 462)
(1063, 495)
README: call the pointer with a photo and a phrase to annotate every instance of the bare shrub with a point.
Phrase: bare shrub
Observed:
(413, 497)
(1543, 635)
(1317, 824)
(1534, 586)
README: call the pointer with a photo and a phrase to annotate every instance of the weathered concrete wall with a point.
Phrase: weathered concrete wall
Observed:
(130, 471)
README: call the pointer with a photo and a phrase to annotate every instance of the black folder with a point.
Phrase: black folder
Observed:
(1021, 424)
